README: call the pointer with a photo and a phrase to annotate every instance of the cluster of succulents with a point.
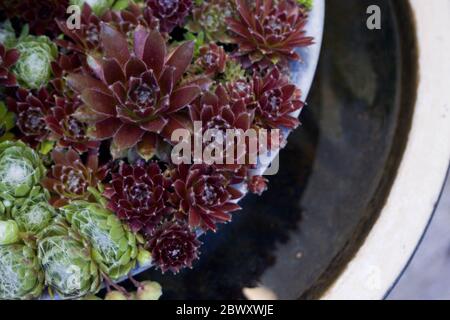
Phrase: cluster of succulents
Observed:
(88, 188)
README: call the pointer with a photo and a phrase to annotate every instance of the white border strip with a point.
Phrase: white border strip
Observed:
(422, 172)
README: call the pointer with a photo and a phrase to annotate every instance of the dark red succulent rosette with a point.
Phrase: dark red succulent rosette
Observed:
(174, 247)
(212, 60)
(134, 94)
(31, 108)
(257, 185)
(275, 101)
(66, 129)
(138, 194)
(268, 32)
(70, 177)
(8, 59)
(170, 13)
(84, 39)
(128, 19)
(39, 15)
(203, 196)
(219, 113)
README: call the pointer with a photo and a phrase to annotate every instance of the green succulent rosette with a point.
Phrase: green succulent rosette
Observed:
(21, 169)
(34, 213)
(33, 69)
(7, 34)
(21, 276)
(98, 6)
(7, 121)
(68, 265)
(113, 247)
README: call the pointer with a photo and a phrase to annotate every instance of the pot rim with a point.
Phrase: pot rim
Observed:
(415, 192)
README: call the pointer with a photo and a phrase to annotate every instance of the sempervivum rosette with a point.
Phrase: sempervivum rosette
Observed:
(268, 32)
(21, 276)
(66, 258)
(204, 196)
(113, 247)
(170, 13)
(210, 17)
(70, 178)
(174, 247)
(33, 69)
(275, 100)
(217, 112)
(39, 15)
(34, 213)
(8, 58)
(135, 93)
(31, 108)
(21, 169)
(212, 60)
(138, 195)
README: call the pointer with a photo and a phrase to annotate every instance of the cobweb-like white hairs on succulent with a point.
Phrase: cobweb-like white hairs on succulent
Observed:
(9, 279)
(14, 172)
(99, 238)
(58, 263)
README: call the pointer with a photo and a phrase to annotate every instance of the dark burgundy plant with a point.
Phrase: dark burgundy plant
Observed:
(275, 100)
(84, 39)
(268, 32)
(257, 185)
(70, 177)
(216, 111)
(31, 108)
(138, 195)
(66, 129)
(134, 94)
(8, 59)
(204, 196)
(39, 15)
(171, 13)
(174, 247)
(212, 60)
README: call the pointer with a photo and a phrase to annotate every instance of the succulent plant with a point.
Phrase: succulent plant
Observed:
(210, 17)
(33, 69)
(174, 247)
(33, 213)
(7, 34)
(138, 194)
(257, 185)
(203, 196)
(66, 129)
(113, 247)
(128, 19)
(21, 276)
(275, 100)
(212, 60)
(7, 122)
(99, 7)
(9, 233)
(8, 58)
(268, 33)
(21, 169)
(149, 290)
(170, 13)
(85, 38)
(39, 15)
(70, 178)
(31, 107)
(136, 93)
(68, 265)
(217, 111)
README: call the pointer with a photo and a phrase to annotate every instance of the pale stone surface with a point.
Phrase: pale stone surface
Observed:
(428, 275)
